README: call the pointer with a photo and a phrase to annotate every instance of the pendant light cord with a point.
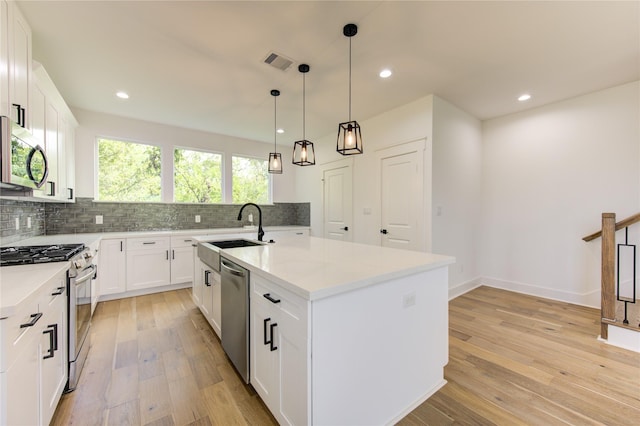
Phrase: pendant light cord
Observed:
(275, 124)
(304, 102)
(350, 78)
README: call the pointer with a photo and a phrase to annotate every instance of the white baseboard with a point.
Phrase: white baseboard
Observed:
(143, 292)
(623, 338)
(590, 299)
(462, 288)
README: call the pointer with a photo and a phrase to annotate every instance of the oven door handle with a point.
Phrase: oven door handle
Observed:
(88, 276)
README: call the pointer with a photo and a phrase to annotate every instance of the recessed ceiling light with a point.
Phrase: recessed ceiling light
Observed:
(385, 73)
(122, 95)
(524, 97)
(280, 130)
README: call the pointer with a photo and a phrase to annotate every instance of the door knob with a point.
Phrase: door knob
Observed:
(346, 228)
(384, 231)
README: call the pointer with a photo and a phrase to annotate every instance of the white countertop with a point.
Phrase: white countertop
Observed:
(18, 283)
(315, 268)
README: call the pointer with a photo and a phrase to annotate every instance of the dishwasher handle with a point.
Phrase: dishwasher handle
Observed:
(230, 268)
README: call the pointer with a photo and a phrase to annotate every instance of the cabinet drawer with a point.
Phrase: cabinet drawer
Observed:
(293, 307)
(148, 243)
(14, 338)
(182, 241)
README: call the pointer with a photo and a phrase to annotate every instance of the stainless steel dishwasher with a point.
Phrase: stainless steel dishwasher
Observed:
(235, 315)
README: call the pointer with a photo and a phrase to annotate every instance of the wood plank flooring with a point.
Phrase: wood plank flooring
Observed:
(514, 360)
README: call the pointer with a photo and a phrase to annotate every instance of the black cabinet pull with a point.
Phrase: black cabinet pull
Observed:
(19, 114)
(55, 336)
(52, 188)
(34, 320)
(167, 254)
(266, 341)
(271, 343)
(51, 340)
(121, 245)
(70, 197)
(149, 242)
(346, 228)
(59, 291)
(384, 231)
(270, 299)
(173, 254)
(206, 278)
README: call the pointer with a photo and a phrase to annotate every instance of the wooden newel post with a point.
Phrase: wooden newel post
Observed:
(608, 296)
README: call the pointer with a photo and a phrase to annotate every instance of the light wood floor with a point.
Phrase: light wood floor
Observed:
(514, 360)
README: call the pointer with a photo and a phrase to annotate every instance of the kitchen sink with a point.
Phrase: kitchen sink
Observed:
(234, 243)
(209, 252)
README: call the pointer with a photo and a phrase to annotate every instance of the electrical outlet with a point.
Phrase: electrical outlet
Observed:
(197, 218)
(28, 222)
(99, 219)
(409, 300)
(17, 223)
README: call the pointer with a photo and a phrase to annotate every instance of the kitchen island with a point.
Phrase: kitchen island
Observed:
(345, 333)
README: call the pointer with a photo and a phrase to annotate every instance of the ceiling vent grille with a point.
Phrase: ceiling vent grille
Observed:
(278, 61)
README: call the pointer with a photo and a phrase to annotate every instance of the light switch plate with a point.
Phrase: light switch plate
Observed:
(197, 218)
(99, 219)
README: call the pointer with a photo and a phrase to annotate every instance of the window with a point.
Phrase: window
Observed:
(128, 171)
(197, 176)
(250, 178)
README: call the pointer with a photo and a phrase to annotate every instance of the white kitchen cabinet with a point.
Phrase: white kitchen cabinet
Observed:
(33, 361)
(207, 294)
(278, 235)
(148, 262)
(181, 259)
(279, 351)
(95, 282)
(53, 351)
(19, 66)
(112, 269)
(53, 125)
(198, 280)
(4, 58)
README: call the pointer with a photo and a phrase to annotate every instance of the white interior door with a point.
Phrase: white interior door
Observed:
(402, 196)
(338, 202)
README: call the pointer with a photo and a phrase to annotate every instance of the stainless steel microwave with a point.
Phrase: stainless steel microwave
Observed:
(23, 161)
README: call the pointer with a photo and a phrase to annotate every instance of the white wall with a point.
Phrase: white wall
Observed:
(453, 181)
(457, 176)
(94, 124)
(548, 175)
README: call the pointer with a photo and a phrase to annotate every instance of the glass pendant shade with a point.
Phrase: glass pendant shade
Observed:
(349, 134)
(349, 138)
(275, 158)
(275, 162)
(303, 153)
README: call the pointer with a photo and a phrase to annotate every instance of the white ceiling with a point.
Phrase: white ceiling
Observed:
(199, 64)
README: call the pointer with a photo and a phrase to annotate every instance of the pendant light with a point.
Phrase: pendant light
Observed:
(349, 136)
(303, 152)
(275, 158)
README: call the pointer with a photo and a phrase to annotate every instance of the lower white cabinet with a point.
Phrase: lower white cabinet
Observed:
(279, 347)
(148, 262)
(207, 295)
(112, 269)
(181, 259)
(33, 361)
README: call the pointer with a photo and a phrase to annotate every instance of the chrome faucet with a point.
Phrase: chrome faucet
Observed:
(260, 230)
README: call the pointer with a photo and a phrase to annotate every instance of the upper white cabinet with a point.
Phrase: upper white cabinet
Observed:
(19, 66)
(4, 58)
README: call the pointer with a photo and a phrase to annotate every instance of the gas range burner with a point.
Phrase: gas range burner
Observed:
(25, 255)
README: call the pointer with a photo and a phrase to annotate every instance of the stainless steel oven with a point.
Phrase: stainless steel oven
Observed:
(79, 291)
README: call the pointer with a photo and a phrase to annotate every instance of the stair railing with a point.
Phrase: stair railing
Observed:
(610, 287)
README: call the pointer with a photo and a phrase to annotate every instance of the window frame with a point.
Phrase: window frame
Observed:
(222, 174)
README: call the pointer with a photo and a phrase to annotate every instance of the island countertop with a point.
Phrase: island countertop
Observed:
(315, 268)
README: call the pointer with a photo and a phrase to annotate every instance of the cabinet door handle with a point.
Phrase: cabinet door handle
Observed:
(206, 278)
(346, 228)
(173, 254)
(121, 242)
(266, 341)
(34, 320)
(55, 336)
(167, 254)
(187, 241)
(271, 343)
(70, 197)
(384, 231)
(52, 188)
(149, 242)
(270, 298)
(51, 339)
(59, 291)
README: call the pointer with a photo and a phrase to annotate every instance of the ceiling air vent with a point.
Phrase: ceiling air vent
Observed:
(278, 61)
